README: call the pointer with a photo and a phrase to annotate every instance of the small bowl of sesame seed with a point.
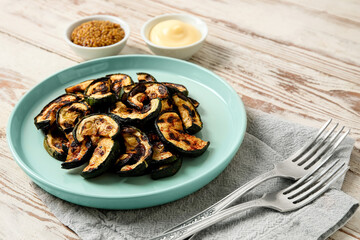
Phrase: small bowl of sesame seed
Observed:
(97, 36)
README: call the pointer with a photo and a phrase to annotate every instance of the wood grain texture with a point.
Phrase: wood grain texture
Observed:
(299, 60)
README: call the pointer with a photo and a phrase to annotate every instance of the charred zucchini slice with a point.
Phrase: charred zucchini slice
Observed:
(122, 161)
(70, 114)
(47, 116)
(96, 125)
(167, 105)
(77, 154)
(138, 152)
(98, 93)
(166, 170)
(189, 116)
(194, 102)
(161, 155)
(103, 157)
(124, 92)
(175, 87)
(80, 95)
(55, 143)
(170, 129)
(101, 100)
(79, 88)
(145, 92)
(134, 116)
(145, 77)
(118, 81)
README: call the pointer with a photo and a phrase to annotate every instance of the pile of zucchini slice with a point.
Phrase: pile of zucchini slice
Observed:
(112, 124)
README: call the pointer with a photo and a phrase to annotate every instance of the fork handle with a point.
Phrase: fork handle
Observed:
(186, 231)
(229, 199)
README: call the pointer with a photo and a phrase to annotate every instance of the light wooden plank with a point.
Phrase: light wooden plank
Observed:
(24, 216)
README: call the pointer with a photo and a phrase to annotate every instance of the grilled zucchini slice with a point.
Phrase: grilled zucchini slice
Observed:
(96, 125)
(170, 129)
(77, 154)
(138, 153)
(70, 114)
(134, 116)
(118, 81)
(79, 88)
(161, 155)
(47, 116)
(167, 105)
(143, 92)
(124, 92)
(98, 93)
(166, 170)
(145, 77)
(175, 87)
(194, 102)
(103, 157)
(189, 116)
(55, 143)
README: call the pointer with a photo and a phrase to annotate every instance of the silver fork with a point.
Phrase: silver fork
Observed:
(299, 194)
(312, 156)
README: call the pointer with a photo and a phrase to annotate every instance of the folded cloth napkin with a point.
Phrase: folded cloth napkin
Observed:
(268, 140)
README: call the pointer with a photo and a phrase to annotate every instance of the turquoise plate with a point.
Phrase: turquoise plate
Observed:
(221, 110)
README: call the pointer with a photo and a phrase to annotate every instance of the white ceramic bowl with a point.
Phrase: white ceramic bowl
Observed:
(184, 52)
(97, 52)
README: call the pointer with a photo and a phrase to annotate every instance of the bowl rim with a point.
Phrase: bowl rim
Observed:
(124, 25)
(147, 23)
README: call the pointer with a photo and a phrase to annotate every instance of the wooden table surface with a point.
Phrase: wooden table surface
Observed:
(299, 60)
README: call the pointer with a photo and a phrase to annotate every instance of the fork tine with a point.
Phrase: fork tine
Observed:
(321, 148)
(299, 187)
(327, 156)
(307, 177)
(301, 151)
(313, 189)
(324, 188)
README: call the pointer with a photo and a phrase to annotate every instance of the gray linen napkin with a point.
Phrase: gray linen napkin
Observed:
(268, 140)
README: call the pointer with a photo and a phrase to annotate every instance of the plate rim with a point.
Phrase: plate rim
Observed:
(39, 179)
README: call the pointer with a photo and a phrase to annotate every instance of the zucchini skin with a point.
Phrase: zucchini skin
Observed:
(159, 150)
(43, 125)
(187, 112)
(168, 160)
(119, 81)
(168, 170)
(124, 92)
(59, 155)
(145, 77)
(141, 120)
(105, 165)
(175, 88)
(95, 100)
(178, 149)
(194, 102)
(136, 164)
(57, 103)
(70, 128)
(75, 161)
(146, 91)
(101, 102)
(193, 153)
(137, 171)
